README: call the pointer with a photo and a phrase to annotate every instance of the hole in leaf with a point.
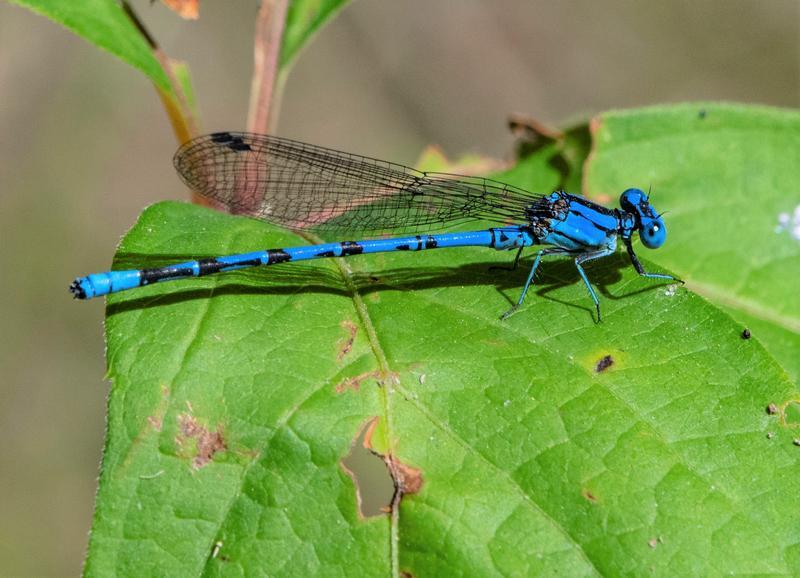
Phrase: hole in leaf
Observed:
(373, 494)
(374, 487)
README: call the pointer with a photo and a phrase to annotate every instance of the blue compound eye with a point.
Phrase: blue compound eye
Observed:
(653, 233)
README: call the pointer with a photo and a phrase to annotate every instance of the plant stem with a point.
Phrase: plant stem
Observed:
(270, 23)
(179, 112)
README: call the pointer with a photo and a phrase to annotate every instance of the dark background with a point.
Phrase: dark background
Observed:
(85, 145)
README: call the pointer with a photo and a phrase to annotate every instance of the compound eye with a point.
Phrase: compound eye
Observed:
(653, 234)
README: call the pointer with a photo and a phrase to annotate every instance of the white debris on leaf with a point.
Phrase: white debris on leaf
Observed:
(670, 290)
(790, 223)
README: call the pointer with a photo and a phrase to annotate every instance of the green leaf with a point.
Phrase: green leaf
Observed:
(104, 24)
(236, 397)
(725, 173)
(304, 19)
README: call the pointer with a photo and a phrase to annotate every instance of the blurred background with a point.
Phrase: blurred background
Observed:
(85, 145)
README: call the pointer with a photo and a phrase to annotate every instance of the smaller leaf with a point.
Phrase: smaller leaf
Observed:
(434, 160)
(304, 19)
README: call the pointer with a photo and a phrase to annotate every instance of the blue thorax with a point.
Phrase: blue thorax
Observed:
(576, 224)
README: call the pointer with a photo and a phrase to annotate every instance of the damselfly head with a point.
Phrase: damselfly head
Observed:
(652, 230)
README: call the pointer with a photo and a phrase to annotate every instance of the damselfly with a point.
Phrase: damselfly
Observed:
(302, 186)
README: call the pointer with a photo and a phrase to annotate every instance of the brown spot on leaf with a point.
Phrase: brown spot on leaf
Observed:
(208, 443)
(369, 430)
(407, 479)
(345, 348)
(354, 382)
(589, 495)
(156, 421)
(772, 409)
(603, 363)
(600, 360)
